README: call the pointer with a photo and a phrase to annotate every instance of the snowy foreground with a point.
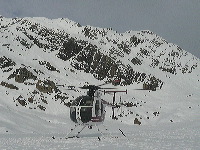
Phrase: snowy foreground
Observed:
(167, 136)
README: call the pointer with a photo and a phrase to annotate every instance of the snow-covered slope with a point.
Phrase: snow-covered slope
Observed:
(40, 58)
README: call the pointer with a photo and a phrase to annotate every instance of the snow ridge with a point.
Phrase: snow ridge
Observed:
(40, 58)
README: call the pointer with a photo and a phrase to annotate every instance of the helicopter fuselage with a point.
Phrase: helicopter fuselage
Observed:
(88, 110)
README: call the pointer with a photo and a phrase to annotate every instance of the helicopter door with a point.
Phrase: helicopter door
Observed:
(86, 109)
(97, 105)
(97, 108)
(86, 114)
(73, 114)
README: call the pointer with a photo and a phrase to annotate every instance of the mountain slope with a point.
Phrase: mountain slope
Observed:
(40, 58)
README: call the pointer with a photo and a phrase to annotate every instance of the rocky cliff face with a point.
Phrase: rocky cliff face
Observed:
(41, 57)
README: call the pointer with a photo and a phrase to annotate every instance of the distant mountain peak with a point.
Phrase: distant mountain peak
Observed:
(37, 54)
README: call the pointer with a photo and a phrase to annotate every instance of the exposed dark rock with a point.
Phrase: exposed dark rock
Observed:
(24, 42)
(144, 52)
(136, 121)
(92, 33)
(22, 74)
(35, 92)
(136, 61)
(38, 71)
(149, 86)
(48, 66)
(125, 47)
(156, 43)
(6, 62)
(46, 86)
(21, 100)
(155, 62)
(156, 113)
(129, 104)
(41, 107)
(30, 99)
(170, 70)
(135, 40)
(70, 48)
(10, 86)
(61, 97)
(101, 66)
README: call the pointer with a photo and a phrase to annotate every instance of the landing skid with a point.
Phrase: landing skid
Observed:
(77, 135)
(79, 132)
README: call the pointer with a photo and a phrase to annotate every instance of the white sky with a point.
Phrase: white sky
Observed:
(177, 21)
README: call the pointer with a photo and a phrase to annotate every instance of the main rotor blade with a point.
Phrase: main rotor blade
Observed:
(108, 88)
(83, 87)
(141, 89)
(104, 83)
(90, 87)
(93, 87)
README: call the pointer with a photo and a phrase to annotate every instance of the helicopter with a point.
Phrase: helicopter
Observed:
(89, 110)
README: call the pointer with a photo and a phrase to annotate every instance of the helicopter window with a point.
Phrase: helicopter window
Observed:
(82, 101)
(86, 101)
(75, 103)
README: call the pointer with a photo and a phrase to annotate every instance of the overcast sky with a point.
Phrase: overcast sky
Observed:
(177, 21)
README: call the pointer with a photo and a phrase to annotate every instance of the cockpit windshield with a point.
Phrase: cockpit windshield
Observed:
(83, 101)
